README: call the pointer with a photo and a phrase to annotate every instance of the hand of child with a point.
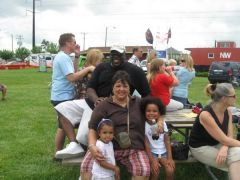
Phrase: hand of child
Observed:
(117, 173)
(160, 125)
(171, 163)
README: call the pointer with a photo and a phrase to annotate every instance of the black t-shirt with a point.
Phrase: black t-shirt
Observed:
(200, 137)
(101, 80)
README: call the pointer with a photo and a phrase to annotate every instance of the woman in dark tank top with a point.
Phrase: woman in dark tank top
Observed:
(211, 140)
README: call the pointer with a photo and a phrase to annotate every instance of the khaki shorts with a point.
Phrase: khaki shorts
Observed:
(207, 155)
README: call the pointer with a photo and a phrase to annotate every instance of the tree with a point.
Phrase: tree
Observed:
(22, 53)
(52, 48)
(45, 42)
(37, 49)
(6, 54)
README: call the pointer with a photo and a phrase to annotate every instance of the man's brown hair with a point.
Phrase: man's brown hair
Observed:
(65, 38)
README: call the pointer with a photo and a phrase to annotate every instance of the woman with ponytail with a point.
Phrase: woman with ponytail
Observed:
(211, 140)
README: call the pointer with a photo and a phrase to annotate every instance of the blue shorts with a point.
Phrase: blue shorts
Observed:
(164, 155)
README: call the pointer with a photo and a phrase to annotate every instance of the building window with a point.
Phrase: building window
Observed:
(210, 55)
(224, 45)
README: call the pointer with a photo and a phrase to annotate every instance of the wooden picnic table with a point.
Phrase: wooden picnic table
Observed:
(181, 121)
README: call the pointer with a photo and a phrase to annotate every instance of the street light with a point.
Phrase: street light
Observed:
(84, 34)
(106, 34)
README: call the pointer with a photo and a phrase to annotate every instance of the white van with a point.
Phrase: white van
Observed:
(35, 58)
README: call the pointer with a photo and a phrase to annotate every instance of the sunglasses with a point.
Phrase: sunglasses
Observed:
(233, 96)
(182, 60)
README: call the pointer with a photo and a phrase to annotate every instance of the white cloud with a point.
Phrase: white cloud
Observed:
(194, 23)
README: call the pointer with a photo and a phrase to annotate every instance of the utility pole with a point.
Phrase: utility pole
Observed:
(12, 41)
(33, 26)
(84, 34)
(106, 34)
(33, 22)
(19, 40)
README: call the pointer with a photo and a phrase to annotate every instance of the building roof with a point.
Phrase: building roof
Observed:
(173, 51)
(128, 49)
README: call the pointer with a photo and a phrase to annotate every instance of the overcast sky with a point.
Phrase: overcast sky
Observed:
(193, 23)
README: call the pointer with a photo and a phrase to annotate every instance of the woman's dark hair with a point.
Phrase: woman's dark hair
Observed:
(121, 76)
(152, 100)
(103, 122)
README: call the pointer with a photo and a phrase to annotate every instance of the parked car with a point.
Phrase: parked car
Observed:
(224, 71)
(143, 65)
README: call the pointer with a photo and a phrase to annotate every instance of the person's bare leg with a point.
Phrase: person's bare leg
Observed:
(59, 140)
(4, 92)
(234, 170)
(85, 175)
(169, 171)
(67, 127)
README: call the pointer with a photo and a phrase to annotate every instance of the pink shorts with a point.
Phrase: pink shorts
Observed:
(136, 161)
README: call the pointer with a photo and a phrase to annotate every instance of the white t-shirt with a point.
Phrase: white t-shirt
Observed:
(108, 153)
(157, 146)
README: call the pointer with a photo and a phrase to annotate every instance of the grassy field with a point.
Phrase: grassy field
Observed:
(28, 125)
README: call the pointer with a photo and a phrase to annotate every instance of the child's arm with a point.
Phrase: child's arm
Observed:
(112, 167)
(160, 122)
(153, 162)
(169, 150)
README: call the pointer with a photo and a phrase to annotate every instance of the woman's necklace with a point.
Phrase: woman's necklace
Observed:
(122, 103)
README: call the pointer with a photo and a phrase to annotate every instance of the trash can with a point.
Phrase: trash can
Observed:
(42, 65)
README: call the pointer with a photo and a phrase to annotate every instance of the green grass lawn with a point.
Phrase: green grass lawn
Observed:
(28, 125)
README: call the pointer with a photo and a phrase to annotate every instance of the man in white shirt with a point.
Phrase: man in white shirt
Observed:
(137, 55)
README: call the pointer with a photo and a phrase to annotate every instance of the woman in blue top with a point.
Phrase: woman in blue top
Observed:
(185, 75)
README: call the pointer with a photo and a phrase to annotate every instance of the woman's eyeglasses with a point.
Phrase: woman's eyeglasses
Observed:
(233, 96)
(182, 60)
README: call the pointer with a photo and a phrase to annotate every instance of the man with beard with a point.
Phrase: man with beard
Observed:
(99, 87)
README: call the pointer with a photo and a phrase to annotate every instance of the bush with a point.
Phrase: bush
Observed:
(6, 54)
(22, 53)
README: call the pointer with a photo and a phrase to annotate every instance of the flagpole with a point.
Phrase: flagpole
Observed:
(171, 49)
